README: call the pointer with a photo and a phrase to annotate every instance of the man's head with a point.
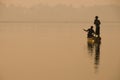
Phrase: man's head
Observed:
(91, 27)
(96, 17)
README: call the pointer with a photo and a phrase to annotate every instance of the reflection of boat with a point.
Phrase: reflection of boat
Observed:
(90, 45)
(94, 49)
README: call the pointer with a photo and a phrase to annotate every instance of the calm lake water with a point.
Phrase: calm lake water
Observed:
(58, 51)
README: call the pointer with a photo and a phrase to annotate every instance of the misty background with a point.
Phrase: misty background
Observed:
(60, 12)
(44, 40)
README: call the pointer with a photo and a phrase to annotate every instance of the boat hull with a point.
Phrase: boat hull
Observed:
(94, 40)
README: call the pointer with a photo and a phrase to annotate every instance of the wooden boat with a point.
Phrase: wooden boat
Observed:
(90, 40)
(94, 39)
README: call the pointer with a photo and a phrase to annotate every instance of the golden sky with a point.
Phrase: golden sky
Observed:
(76, 3)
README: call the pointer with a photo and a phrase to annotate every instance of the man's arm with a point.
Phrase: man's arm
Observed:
(85, 30)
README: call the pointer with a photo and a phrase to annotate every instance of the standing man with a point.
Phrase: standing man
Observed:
(97, 24)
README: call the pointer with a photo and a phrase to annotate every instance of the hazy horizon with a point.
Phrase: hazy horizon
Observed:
(74, 3)
(44, 13)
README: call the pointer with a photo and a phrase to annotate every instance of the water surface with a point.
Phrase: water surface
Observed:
(58, 51)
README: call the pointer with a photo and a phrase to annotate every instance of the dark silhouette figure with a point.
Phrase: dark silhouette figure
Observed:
(90, 31)
(97, 24)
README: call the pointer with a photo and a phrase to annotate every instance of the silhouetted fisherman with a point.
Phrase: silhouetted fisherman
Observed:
(97, 24)
(90, 32)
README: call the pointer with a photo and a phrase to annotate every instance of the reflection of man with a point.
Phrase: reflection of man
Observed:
(97, 24)
(97, 55)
